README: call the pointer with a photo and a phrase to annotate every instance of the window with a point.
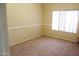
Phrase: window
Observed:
(66, 21)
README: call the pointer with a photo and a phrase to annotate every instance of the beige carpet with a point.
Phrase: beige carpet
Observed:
(45, 46)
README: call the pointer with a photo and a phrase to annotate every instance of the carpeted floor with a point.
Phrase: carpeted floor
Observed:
(45, 46)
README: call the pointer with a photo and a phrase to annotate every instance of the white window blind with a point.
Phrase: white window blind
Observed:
(66, 21)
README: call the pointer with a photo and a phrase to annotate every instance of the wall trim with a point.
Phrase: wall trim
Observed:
(27, 26)
(66, 39)
(47, 24)
(24, 26)
(32, 37)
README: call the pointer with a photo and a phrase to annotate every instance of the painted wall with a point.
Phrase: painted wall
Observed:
(27, 21)
(47, 22)
(24, 22)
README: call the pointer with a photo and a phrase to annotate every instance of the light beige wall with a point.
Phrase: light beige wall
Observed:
(24, 22)
(27, 21)
(48, 8)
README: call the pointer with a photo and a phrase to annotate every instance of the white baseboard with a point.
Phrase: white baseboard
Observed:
(76, 40)
(32, 37)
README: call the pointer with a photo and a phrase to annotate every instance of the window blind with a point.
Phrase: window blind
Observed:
(66, 21)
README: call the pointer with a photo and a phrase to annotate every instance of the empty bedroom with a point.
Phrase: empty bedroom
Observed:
(43, 29)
